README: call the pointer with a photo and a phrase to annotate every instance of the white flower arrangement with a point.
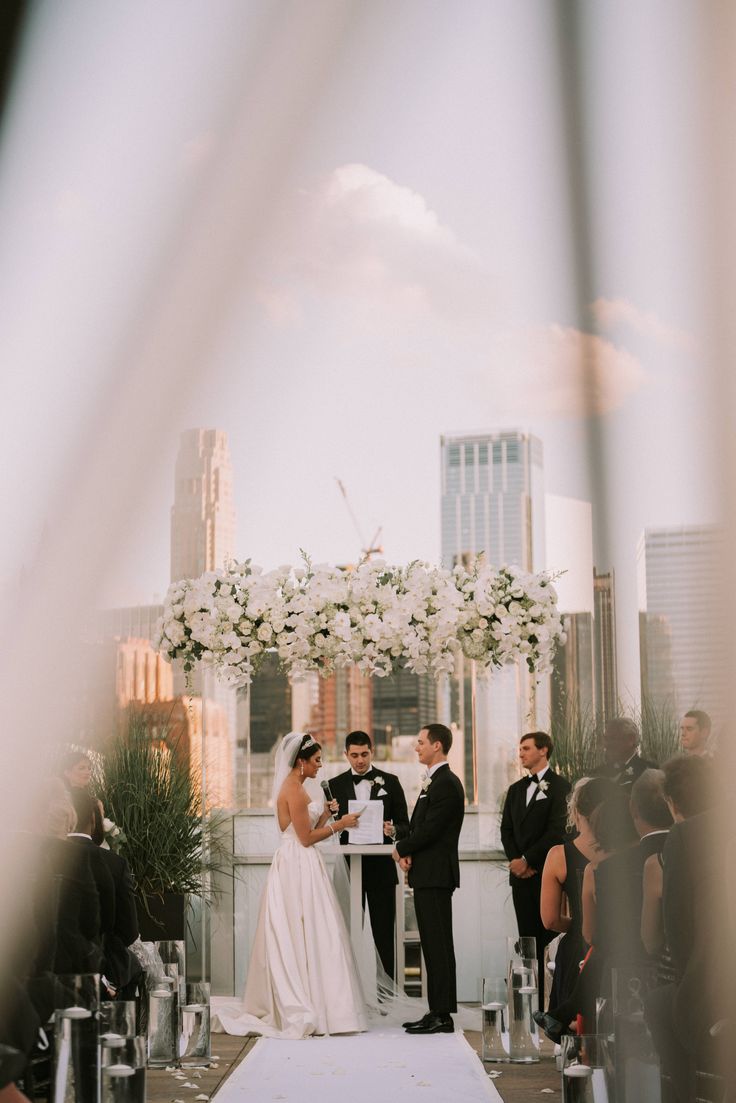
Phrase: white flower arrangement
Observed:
(377, 781)
(114, 835)
(543, 786)
(323, 618)
(426, 782)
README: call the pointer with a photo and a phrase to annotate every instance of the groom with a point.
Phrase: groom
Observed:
(429, 854)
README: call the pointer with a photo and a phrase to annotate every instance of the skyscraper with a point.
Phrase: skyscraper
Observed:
(680, 590)
(604, 649)
(203, 516)
(573, 693)
(493, 503)
(203, 539)
(493, 499)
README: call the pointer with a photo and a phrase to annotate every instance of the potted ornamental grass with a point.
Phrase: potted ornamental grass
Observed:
(149, 793)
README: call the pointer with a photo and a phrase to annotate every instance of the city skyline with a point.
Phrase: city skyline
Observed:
(403, 269)
(210, 449)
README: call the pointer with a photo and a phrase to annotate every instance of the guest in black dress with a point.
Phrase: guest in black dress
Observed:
(562, 880)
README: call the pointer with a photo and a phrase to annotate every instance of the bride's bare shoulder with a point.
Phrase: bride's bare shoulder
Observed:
(291, 791)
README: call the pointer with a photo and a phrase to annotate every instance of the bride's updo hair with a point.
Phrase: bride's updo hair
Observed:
(309, 747)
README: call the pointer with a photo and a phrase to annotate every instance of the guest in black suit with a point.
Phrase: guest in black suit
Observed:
(429, 854)
(84, 806)
(622, 761)
(533, 821)
(694, 907)
(65, 899)
(363, 782)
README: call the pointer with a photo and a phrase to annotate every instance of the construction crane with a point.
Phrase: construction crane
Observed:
(367, 550)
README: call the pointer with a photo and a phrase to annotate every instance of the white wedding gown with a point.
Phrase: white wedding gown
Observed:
(302, 978)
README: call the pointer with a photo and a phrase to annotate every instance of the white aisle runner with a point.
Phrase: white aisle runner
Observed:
(381, 1066)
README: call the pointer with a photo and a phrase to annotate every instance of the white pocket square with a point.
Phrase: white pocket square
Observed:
(422, 796)
(381, 793)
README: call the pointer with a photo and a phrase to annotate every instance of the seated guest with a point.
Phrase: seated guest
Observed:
(695, 729)
(75, 770)
(65, 899)
(687, 791)
(84, 806)
(562, 880)
(614, 832)
(694, 909)
(120, 923)
(622, 761)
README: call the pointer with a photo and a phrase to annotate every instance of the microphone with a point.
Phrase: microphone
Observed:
(325, 786)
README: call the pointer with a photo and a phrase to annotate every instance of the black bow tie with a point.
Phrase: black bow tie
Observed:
(362, 777)
(535, 778)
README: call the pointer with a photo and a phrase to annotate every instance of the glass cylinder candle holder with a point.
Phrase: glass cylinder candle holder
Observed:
(117, 1022)
(76, 1044)
(494, 1008)
(123, 1072)
(194, 1039)
(523, 996)
(163, 1018)
(521, 945)
(173, 952)
(587, 1069)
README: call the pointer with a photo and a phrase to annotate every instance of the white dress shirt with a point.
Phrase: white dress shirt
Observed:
(533, 786)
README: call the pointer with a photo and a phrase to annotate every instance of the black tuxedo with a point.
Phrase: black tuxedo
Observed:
(106, 892)
(121, 964)
(379, 873)
(67, 910)
(698, 932)
(530, 831)
(432, 845)
(625, 775)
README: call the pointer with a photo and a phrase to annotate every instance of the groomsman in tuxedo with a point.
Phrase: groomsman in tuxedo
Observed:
(363, 782)
(695, 728)
(533, 821)
(622, 761)
(429, 854)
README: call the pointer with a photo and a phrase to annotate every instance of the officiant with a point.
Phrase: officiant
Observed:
(364, 782)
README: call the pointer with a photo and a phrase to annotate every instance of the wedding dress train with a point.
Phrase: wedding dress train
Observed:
(302, 978)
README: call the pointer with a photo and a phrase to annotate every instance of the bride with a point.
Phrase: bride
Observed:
(302, 978)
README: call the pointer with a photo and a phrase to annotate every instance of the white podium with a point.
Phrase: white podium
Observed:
(356, 854)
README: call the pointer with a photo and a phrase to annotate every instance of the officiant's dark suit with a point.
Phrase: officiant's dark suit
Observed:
(533, 821)
(623, 763)
(432, 845)
(379, 873)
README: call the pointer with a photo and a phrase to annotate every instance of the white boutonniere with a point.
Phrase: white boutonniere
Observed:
(543, 786)
(377, 781)
(426, 782)
(629, 771)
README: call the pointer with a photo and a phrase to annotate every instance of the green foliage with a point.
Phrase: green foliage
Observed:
(574, 734)
(659, 724)
(150, 795)
(577, 735)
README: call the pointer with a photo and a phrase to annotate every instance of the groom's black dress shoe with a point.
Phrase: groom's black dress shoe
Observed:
(418, 1022)
(551, 1027)
(433, 1024)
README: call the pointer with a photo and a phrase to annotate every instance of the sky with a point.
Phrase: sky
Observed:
(337, 234)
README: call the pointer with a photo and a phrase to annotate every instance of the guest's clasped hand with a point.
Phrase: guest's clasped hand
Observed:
(519, 867)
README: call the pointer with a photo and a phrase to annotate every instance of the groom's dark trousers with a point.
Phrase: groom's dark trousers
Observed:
(432, 844)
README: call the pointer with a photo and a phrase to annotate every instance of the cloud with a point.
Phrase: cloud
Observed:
(359, 235)
(610, 313)
(560, 371)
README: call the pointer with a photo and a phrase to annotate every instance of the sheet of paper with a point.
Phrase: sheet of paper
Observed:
(370, 824)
